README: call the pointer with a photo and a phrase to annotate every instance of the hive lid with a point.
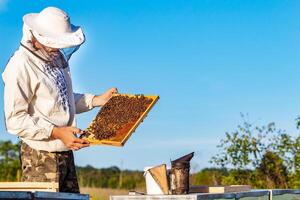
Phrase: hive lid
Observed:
(121, 137)
(184, 159)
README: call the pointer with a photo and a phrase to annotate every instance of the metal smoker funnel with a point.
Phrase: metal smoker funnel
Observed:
(180, 173)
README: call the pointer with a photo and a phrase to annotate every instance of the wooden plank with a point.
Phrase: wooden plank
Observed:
(28, 189)
(29, 186)
(122, 141)
(205, 189)
(238, 188)
(220, 189)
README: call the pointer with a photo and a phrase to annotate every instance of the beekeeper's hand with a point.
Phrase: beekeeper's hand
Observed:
(67, 135)
(100, 100)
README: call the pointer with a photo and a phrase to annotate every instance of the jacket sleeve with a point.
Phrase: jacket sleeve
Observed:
(18, 93)
(83, 102)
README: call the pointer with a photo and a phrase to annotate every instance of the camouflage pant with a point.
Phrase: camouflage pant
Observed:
(43, 166)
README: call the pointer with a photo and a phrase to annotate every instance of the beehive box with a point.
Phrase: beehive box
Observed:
(112, 118)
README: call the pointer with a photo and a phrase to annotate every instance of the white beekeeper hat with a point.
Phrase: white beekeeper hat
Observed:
(52, 28)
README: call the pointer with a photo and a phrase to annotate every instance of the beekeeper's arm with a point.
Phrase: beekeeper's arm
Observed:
(18, 93)
(85, 102)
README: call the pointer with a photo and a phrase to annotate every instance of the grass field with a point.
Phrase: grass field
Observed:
(102, 193)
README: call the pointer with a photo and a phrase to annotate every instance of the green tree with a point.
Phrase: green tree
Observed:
(239, 177)
(209, 176)
(109, 178)
(244, 147)
(10, 169)
(263, 156)
(273, 171)
(294, 180)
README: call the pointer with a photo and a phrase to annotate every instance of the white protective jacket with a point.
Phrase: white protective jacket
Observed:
(34, 99)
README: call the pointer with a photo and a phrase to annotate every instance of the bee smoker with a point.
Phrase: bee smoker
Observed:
(179, 174)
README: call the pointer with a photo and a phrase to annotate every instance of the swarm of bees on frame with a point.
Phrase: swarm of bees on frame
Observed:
(117, 115)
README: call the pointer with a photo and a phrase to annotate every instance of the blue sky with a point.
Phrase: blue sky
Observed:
(208, 60)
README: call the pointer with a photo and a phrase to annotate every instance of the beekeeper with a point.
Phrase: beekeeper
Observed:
(39, 101)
